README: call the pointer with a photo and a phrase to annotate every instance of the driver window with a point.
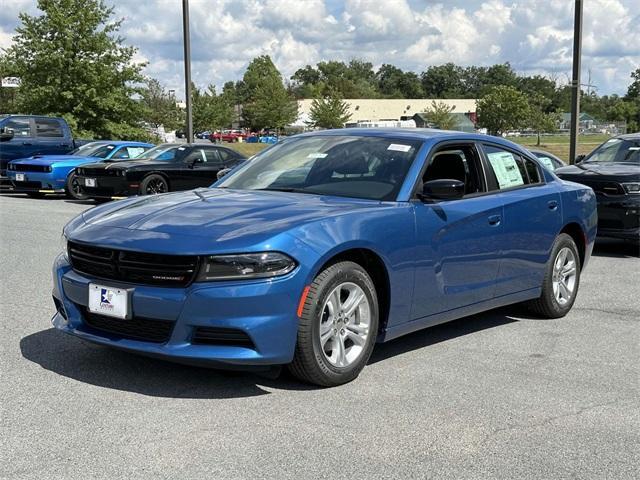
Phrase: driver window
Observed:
(196, 156)
(456, 163)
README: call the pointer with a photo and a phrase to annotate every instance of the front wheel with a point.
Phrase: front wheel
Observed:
(338, 326)
(153, 185)
(74, 190)
(561, 280)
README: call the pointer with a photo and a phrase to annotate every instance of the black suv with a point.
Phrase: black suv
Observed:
(167, 167)
(613, 171)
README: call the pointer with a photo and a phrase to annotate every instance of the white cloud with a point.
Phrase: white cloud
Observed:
(535, 36)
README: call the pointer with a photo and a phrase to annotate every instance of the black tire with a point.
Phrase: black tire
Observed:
(546, 305)
(73, 188)
(309, 362)
(154, 184)
(35, 194)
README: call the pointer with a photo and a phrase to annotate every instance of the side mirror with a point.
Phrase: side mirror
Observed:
(5, 135)
(443, 189)
(223, 172)
(579, 158)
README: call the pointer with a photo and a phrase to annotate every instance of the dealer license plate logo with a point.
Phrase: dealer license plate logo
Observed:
(109, 301)
(19, 177)
(89, 182)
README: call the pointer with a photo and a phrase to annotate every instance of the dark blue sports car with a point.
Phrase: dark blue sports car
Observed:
(322, 245)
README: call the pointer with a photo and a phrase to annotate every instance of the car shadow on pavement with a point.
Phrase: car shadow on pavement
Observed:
(115, 369)
(615, 248)
(447, 331)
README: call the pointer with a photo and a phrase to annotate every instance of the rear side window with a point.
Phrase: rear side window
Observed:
(19, 126)
(48, 127)
(212, 156)
(509, 170)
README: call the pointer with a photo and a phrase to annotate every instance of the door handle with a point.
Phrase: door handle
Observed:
(63, 144)
(27, 143)
(553, 205)
(494, 220)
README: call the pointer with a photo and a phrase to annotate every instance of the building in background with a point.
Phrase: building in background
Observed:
(386, 111)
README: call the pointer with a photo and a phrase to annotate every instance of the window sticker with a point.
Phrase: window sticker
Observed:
(110, 147)
(506, 169)
(398, 147)
(317, 155)
(547, 162)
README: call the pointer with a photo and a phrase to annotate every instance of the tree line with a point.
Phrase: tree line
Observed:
(73, 63)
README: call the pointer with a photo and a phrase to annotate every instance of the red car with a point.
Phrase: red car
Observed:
(228, 136)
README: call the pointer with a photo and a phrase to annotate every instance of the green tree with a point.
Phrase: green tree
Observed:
(502, 109)
(72, 62)
(443, 81)
(633, 92)
(210, 110)
(160, 106)
(266, 101)
(329, 112)
(394, 83)
(439, 115)
(539, 119)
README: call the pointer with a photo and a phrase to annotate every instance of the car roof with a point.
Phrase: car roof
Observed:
(630, 136)
(415, 134)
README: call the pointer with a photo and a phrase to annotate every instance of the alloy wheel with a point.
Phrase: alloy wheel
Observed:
(344, 324)
(156, 186)
(564, 276)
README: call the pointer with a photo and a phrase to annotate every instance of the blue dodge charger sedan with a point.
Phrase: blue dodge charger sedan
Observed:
(323, 245)
(42, 174)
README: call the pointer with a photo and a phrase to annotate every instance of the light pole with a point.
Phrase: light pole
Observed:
(187, 69)
(575, 82)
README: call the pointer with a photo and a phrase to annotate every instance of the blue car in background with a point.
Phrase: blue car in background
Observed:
(42, 174)
(322, 245)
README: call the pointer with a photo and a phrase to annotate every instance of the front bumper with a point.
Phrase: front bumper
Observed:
(619, 216)
(108, 187)
(264, 310)
(43, 182)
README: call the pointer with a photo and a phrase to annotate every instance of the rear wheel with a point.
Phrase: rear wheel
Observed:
(338, 326)
(153, 185)
(561, 281)
(73, 188)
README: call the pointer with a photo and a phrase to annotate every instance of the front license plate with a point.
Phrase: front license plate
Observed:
(89, 182)
(109, 301)
(19, 177)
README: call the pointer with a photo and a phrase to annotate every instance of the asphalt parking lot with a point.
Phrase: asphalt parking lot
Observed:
(498, 395)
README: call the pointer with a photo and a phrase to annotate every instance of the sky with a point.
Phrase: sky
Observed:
(535, 36)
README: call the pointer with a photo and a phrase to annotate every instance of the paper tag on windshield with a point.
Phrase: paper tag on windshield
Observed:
(398, 147)
(317, 155)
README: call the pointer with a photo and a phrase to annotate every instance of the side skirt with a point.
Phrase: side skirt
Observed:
(457, 313)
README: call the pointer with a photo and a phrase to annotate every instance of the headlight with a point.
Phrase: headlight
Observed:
(49, 169)
(633, 187)
(64, 246)
(250, 265)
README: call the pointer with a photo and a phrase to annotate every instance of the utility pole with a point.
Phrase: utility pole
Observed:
(187, 69)
(575, 82)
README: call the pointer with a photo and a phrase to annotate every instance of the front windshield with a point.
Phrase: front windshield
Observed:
(164, 153)
(97, 150)
(349, 166)
(616, 150)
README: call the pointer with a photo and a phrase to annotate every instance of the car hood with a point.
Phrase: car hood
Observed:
(599, 170)
(125, 164)
(227, 218)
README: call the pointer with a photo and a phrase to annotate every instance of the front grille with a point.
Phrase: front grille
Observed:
(601, 186)
(98, 172)
(133, 267)
(136, 328)
(221, 336)
(20, 167)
